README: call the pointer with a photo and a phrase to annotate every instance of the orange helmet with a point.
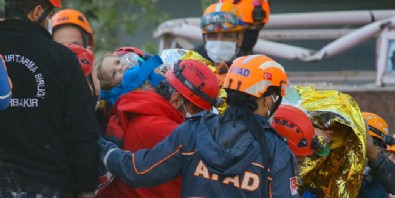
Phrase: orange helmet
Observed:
(195, 81)
(221, 17)
(378, 127)
(74, 17)
(253, 10)
(85, 57)
(294, 125)
(254, 74)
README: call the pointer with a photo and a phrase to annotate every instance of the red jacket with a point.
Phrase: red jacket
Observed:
(145, 119)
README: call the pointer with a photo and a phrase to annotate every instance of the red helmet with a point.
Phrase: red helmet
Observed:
(195, 81)
(84, 56)
(125, 50)
(56, 3)
(294, 125)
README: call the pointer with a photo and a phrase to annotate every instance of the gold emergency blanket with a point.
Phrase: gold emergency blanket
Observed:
(340, 173)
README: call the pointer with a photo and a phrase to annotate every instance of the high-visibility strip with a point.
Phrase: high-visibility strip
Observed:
(156, 164)
(5, 96)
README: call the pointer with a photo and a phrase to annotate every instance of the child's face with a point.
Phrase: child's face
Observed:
(112, 70)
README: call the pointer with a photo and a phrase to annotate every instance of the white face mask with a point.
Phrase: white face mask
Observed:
(187, 114)
(49, 26)
(221, 51)
(274, 99)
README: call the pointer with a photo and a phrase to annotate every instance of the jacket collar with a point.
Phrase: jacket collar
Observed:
(198, 115)
(263, 120)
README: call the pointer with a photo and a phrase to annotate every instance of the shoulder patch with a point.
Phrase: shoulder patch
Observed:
(293, 185)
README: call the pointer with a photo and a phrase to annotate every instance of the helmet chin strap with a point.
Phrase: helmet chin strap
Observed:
(45, 14)
(277, 102)
(267, 108)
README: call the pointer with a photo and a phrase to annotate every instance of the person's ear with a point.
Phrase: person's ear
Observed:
(36, 13)
(240, 38)
(176, 100)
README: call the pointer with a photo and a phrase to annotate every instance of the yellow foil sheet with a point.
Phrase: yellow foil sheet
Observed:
(340, 173)
(192, 55)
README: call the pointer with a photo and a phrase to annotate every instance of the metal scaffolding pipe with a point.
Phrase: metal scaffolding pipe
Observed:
(310, 20)
(350, 40)
(280, 50)
(303, 34)
(319, 19)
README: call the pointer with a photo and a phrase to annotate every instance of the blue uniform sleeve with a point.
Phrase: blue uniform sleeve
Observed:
(5, 89)
(284, 183)
(144, 168)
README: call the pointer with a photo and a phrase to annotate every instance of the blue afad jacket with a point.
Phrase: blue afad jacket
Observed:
(215, 159)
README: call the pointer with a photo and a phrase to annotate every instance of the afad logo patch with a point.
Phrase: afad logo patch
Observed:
(293, 185)
(267, 76)
(239, 70)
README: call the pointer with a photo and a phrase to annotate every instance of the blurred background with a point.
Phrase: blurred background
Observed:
(132, 22)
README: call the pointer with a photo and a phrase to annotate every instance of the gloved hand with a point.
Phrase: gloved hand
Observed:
(105, 177)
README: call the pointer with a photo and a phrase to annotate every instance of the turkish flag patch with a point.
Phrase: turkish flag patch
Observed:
(293, 185)
(267, 76)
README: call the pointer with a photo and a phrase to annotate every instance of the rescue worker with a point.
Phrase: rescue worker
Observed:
(295, 126)
(223, 33)
(86, 58)
(71, 27)
(5, 86)
(391, 150)
(144, 118)
(302, 137)
(48, 134)
(382, 168)
(221, 156)
(378, 177)
(255, 14)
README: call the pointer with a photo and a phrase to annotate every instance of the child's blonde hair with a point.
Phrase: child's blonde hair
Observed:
(98, 64)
